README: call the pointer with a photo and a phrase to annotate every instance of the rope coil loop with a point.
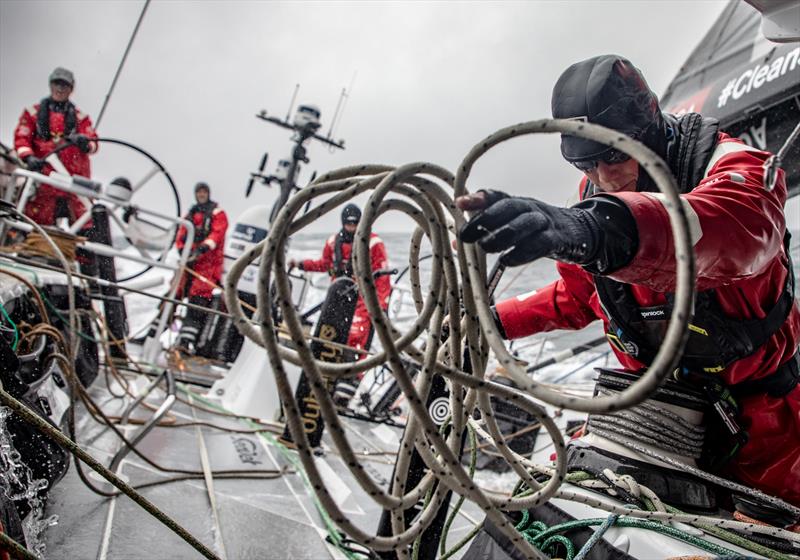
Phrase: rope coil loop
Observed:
(675, 338)
(428, 192)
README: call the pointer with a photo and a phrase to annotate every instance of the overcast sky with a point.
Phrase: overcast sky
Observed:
(431, 79)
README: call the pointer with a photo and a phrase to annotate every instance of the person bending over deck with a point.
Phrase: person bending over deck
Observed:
(336, 261)
(44, 127)
(617, 261)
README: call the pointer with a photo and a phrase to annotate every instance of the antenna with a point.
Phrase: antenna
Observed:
(291, 103)
(336, 112)
(304, 125)
(343, 104)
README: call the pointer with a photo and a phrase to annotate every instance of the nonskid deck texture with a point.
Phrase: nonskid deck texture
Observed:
(259, 519)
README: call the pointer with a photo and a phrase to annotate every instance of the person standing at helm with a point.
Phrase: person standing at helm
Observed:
(44, 127)
(616, 258)
(206, 260)
(336, 260)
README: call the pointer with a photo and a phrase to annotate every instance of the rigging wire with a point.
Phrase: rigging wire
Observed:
(121, 64)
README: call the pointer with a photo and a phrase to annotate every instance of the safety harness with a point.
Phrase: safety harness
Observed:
(715, 340)
(207, 209)
(43, 118)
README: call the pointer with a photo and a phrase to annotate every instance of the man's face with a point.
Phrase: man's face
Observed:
(60, 90)
(615, 177)
(201, 196)
(351, 227)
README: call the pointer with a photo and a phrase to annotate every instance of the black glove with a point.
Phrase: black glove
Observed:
(34, 163)
(200, 250)
(81, 141)
(129, 213)
(598, 233)
(534, 230)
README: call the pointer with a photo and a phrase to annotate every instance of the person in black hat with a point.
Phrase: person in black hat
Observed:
(206, 260)
(336, 261)
(617, 264)
(206, 263)
(42, 128)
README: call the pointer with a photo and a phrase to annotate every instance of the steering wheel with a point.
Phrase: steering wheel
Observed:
(152, 188)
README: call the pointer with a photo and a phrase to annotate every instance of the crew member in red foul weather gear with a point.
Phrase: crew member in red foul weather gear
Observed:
(617, 260)
(45, 126)
(206, 260)
(336, 261)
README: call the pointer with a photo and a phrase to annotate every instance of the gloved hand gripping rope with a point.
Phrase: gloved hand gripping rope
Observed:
(429, 207)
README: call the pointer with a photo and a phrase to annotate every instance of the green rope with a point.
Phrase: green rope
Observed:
(65, 321)
(429, 495)
(15, 549)
(532, 531)
(13, 326)
(723, 534)
(537, 537)
(473, 460)
(736, 539)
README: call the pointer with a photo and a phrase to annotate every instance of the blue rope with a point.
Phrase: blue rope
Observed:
(595, 538)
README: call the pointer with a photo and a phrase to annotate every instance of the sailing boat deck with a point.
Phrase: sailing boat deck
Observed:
(239, 519)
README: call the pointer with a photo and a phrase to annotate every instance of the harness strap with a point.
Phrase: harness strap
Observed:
(777, 384)
(734, 339)
(43, 118)
(208, 215)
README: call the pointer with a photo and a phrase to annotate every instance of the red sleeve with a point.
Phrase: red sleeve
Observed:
(23, 134)
(324, 263)
(737, 226)
(564, 304)
(85, 127)
(379, 259)
(219, 225)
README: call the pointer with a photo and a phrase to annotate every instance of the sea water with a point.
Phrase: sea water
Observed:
(17, 483)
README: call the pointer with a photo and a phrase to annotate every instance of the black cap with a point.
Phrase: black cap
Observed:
(202, 185)
(607, 90)
(351, 214)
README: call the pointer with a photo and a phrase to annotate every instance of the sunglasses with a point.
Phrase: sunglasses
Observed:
(613, 156)
(61, 83)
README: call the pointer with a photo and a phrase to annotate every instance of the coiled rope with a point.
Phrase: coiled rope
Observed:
(428, 193)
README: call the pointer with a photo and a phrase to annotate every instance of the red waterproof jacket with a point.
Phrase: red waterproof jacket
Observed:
(738, 229)
(42, 206)
(360, 329)
(210, 225)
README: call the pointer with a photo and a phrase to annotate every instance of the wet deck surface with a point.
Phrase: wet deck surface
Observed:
(253, 519)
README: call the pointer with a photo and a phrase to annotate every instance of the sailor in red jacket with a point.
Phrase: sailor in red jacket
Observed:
(336, 261)
(616, 258)
(42, 128)
(206, 260)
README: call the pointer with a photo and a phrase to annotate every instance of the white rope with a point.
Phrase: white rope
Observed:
(428, 193)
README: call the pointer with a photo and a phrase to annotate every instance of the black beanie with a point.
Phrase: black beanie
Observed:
(351, 214)
(610, 91)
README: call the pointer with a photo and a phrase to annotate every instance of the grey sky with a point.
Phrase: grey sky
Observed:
(432, 78)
